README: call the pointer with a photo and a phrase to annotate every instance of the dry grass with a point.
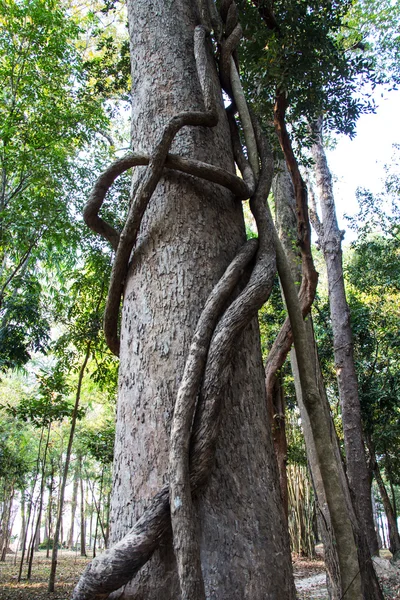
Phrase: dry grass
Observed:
(71, 565)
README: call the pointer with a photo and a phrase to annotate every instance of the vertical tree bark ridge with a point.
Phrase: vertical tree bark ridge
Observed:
(330, 239)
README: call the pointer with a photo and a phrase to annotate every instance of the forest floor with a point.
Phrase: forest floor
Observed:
(309, 577)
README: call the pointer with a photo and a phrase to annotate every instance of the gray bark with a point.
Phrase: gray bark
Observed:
(190, 232)
(330, 240)
(324, 519)
(286, 222)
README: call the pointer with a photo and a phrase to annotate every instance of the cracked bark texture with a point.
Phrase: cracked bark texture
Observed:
(330, 240)
(190, 232)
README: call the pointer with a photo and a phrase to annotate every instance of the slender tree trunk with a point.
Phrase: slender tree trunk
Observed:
(3, 519)
(286, 222)
(32, 530)
(83, 518)
(22, 530)
(107, 520)
(324, 520)
(394, 537)
(317, 420)
(389, 475)
(190, 232)
(276, 411)
(6, 523)
(65, 471)
(30, 504)
(49, 509)
(98, 511)
(35, 534)
(330, 239)
(89, 518)
(95, 535)
(23, 519)
(70, 541)
(301, 511)
(376, 518)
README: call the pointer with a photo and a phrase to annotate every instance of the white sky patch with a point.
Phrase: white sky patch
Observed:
(360, 162)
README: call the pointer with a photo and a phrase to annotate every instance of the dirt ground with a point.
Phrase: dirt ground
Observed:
(70, 566)
(309, 578)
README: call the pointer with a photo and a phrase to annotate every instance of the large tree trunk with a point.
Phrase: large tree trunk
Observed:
(190, 232)
(330, 240)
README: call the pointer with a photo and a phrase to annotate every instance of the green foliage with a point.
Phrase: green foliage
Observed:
(271, 317)
(80, 311)
(47, 115)
(13, 463)
(304, 40)
(47, 543)
(47, 403)
(99, 442)
(373, 26)
(24, 327)
(111, 67)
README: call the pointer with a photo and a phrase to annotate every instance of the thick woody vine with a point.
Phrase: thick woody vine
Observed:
(201, 390)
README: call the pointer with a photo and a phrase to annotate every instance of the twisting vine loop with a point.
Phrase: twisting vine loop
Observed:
(196, 417)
